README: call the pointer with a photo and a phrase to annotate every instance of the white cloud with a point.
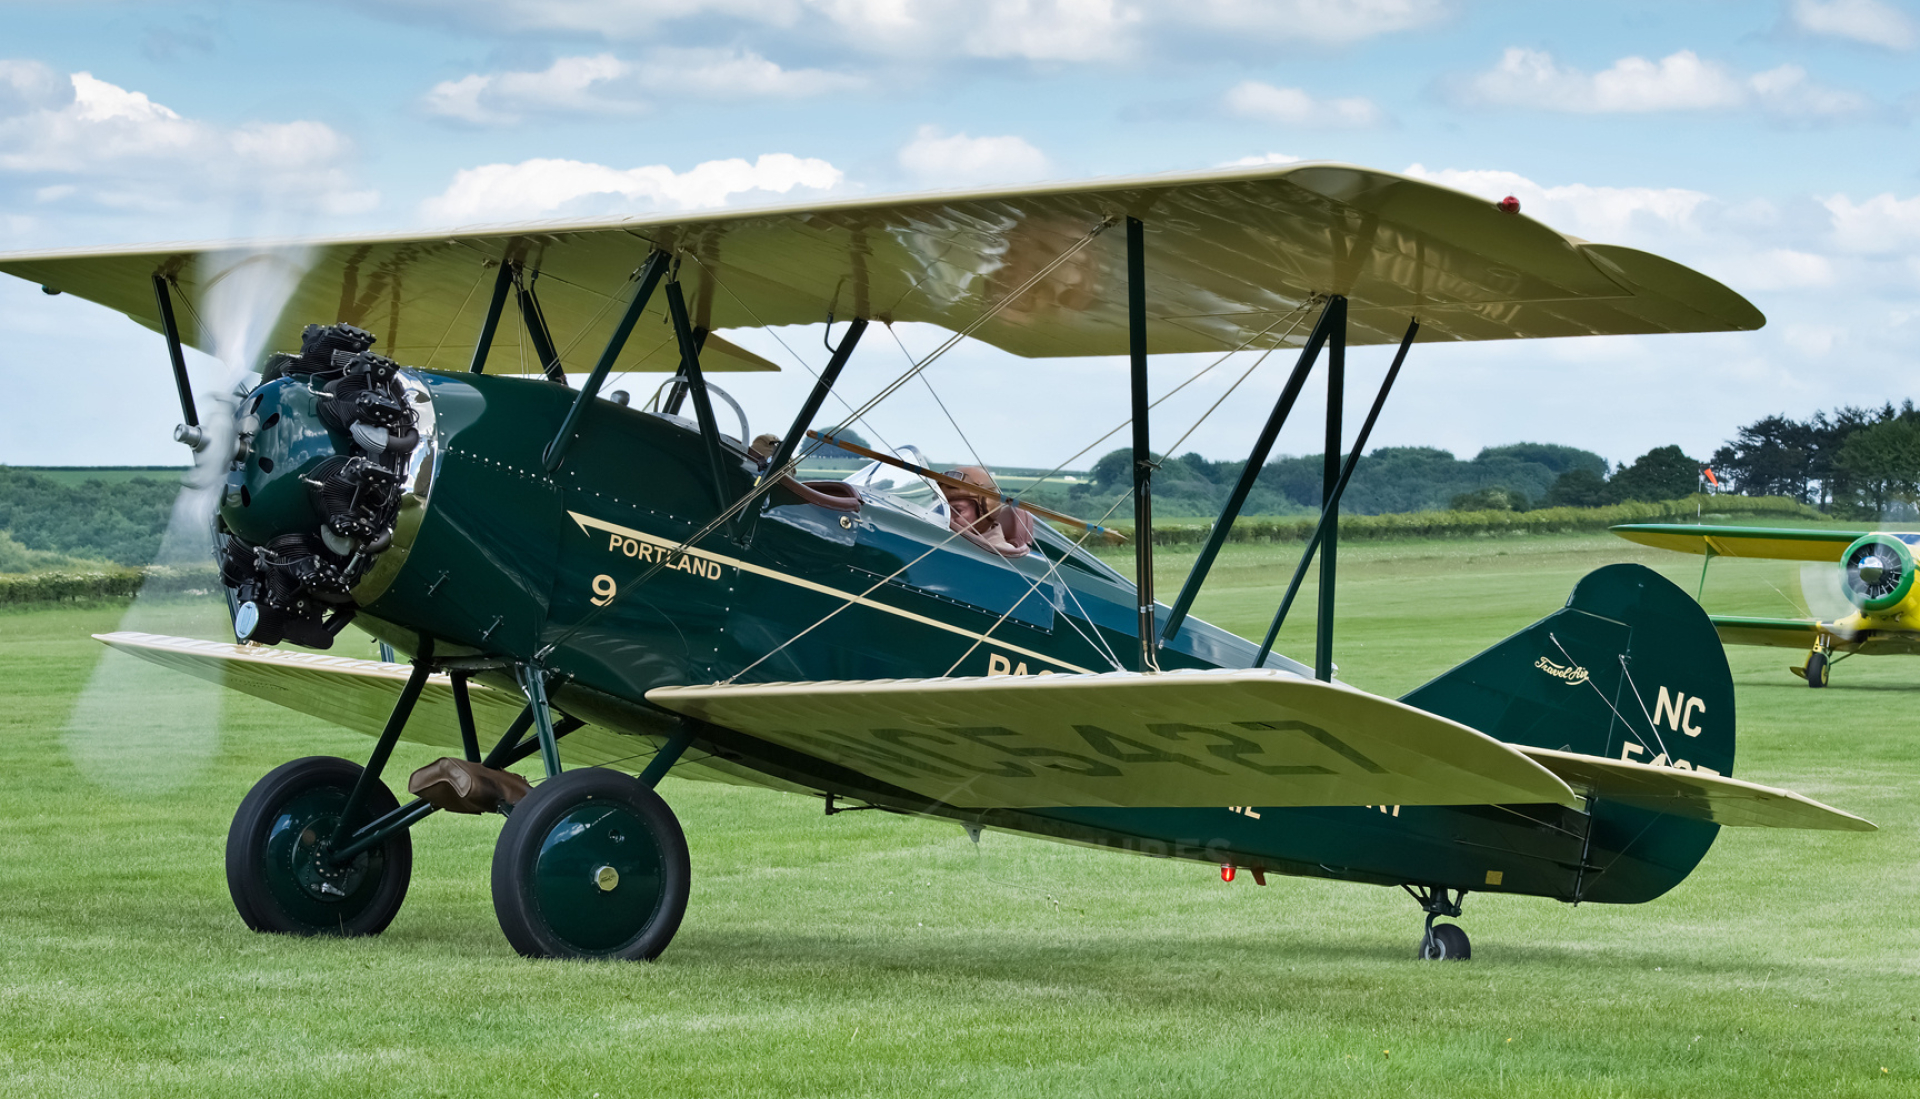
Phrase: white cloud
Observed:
(957, 159)
(1045, 31)
(80, 138)
(1294, 107)
(1257, 161)
(569, 85)
(1053, 30)
(1681, 81)
(1331, 21)
(605, 84)
(1786, 269)
(1881, 224)
(1614, 215)
(1869, 21)
(548, 188)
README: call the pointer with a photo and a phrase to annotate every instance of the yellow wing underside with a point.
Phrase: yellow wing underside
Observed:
(1234, 258)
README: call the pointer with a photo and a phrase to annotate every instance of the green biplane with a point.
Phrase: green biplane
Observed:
(641, 592)
(1876, 576)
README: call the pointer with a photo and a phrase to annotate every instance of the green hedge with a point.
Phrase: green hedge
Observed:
(1462, 524)
(74, 587)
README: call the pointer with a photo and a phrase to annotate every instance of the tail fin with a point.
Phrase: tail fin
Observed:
(1630, 668)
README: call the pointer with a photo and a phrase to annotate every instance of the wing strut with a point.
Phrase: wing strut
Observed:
(1250, 473)
(1142, 443)
(1329, 499)
(188, 431)
(648, 276)
(502, 283)
(790, 443)
(1330, 516)
(697, 388)
(537, 327)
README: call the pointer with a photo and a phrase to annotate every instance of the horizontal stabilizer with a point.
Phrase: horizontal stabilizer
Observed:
(1178, 739)
(1770, 543)
(1695, 794)
(359, 694)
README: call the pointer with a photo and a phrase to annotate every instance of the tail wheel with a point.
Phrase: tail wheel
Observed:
(1445, 942)
(591, 864)
(278, 866)
(1817, 670)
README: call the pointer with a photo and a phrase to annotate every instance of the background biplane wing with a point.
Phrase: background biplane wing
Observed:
(1781, 633)
(360, 695)
(1694, 794)
(1232, 256)
(1771, 543)
(1189, 738)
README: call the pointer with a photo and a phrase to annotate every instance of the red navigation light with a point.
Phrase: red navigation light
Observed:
(1509, 205)
(1226, 871)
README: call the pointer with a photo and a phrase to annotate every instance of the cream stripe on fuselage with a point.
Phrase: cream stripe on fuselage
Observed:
(588, 524)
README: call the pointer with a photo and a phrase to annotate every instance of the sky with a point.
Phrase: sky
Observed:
(1768, 144)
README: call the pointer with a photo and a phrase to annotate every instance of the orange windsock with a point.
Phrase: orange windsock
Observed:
(1711, 479)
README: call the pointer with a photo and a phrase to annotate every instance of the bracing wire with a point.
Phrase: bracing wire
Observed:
(455, 319)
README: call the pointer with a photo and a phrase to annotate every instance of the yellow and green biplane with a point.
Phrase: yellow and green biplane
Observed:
(1876, 576)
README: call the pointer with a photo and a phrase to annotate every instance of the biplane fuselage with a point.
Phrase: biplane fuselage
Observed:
(502, 557)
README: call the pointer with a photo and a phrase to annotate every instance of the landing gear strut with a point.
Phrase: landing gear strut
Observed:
(1443, 941)
(1818, 662)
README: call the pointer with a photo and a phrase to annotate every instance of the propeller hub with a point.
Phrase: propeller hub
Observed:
(1872, 569)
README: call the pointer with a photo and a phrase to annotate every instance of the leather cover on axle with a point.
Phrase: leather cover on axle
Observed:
(459, 786)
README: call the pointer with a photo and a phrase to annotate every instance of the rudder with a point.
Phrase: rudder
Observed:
(1631, 668)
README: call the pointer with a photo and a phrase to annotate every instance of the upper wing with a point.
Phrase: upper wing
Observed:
(1777, 543)
(1694, 794)
(1210, 738)
(1229, 256)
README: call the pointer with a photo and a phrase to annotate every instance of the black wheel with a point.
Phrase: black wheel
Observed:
(1445, 942)
(277, 869)
(1817, 670)
(592, 864)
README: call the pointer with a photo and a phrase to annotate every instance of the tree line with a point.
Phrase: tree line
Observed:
(1855, 463)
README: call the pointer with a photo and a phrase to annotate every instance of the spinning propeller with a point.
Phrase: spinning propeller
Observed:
(138, 729)
(1878, 571)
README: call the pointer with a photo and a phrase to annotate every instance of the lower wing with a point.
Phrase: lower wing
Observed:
(1783, 633)
(1190, 738)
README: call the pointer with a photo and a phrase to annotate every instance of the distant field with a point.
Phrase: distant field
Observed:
(867, 954)
(75, 475)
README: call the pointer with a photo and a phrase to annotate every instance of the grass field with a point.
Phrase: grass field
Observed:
(873, 955)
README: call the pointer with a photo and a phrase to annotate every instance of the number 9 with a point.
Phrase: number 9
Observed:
(603, 590)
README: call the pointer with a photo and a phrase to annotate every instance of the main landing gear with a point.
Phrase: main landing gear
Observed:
(591, 863)
(1443, 942)
(1819, 663)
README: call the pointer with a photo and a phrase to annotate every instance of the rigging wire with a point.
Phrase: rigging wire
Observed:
(772, 477)
(455, 319)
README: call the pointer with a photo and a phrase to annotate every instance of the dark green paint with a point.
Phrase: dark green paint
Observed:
(593, 919)
(499, 567)
(267, 496)
(300, 871)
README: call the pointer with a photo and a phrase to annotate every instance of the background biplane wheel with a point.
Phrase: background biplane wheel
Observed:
(1445, 943)
(1817, 670)
(275, 869)
(592, 864)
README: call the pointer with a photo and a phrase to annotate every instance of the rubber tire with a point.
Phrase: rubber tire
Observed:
(1445, 943)
(1817, 670)
(262, 892)
(521, 890)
